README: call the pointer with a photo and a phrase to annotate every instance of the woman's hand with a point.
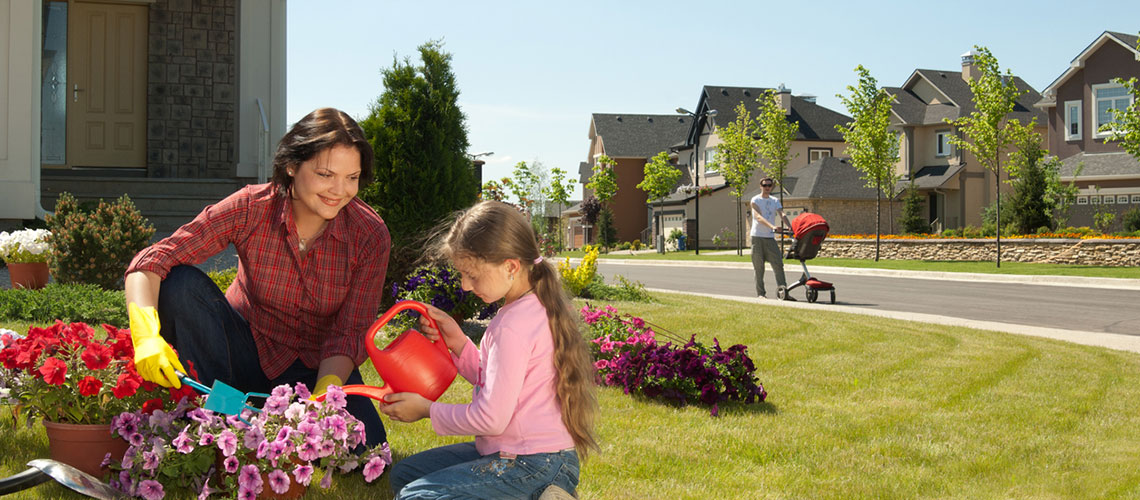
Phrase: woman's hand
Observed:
(405, 406)
(452, 335)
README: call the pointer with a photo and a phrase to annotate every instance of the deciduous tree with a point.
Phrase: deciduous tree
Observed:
(774, 140)
(660, 176)
(737, 158)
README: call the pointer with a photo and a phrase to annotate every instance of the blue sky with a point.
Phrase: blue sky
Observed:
(531, 73)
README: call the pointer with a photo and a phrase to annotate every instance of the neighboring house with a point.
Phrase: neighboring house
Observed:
(831, 187)
(955, 185)
(817, 139)
(174, 102)
(630, 140)
(1077, 103)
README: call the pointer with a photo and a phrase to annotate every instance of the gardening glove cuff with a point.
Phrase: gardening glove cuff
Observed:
(324, 383)
(155, 360)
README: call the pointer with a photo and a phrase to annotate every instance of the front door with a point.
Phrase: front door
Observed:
(106, 85)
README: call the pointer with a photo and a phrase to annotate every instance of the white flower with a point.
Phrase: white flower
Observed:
(25, 245)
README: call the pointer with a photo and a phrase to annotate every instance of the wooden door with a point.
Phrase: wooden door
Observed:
(106, 114)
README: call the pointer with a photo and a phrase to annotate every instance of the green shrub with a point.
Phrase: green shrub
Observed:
(625, 245)
(626, 290)
(70, 303)
(636, 245)
(971, 232)
(95, 247)
(223, 277)
(1131, 220)
(952, 233)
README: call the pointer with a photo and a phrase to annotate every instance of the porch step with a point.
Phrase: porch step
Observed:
(166, 203)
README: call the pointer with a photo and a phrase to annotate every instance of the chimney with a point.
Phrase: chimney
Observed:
(785, 96)
(969, 71)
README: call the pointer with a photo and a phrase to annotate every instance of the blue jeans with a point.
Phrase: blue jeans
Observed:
(199, 322)
(458, 471)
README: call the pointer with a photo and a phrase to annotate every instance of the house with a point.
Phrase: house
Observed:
(816, 139)
(833, 188)
(174, 102)
(956, 186)
(631, 140)
(1077, 104)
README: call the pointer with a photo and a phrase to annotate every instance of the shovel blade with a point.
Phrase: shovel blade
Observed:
(76, 479)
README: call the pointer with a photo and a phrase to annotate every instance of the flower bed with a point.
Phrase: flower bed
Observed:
(628, 355)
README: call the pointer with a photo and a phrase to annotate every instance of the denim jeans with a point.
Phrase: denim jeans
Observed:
(458, 471)
(199, 322)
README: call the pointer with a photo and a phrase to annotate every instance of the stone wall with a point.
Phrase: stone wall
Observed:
(850, 216)
(191, 88)
(1091, 252)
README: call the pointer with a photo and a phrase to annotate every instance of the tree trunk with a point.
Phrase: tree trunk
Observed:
(780, 216)
(878, 219)
(997, 180)
(739, 234)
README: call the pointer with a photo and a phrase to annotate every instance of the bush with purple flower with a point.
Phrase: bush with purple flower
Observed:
(441, 287)
(628, 355)
(194, 451)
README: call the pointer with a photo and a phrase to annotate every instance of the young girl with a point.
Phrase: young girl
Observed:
(533, 405)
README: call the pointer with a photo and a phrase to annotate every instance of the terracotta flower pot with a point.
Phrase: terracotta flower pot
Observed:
(30, 275)
(84, 446)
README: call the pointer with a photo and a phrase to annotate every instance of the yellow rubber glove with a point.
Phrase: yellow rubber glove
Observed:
(323, 385)
(154, 358)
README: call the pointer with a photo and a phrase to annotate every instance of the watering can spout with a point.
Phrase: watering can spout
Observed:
(410, 363)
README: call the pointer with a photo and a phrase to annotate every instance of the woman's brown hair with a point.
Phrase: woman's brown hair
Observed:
(493, 232)
(318, 131)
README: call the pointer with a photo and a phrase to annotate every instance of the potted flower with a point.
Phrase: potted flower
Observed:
(76, 381)
(26, 252)
(441, 286)
(276, 452)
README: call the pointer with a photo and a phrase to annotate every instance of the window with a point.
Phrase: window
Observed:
(1082, 200)
(1072, 120)
(1095, 200)
(1109, 199)
(818, 154)
(1121, 199)
(1136, 198)
(942, 147)
(710, 161)
(1109, 96)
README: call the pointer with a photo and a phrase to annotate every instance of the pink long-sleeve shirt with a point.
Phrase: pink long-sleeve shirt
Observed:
(514, 408)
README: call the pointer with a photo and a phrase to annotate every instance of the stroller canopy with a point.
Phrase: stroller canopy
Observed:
(806, 222)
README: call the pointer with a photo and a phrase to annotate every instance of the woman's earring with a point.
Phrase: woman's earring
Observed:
(511, 277)
(290, 172)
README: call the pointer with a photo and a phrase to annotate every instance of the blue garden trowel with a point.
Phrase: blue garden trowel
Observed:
(223, 398)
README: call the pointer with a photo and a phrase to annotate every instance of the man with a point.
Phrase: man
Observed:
(765, 210)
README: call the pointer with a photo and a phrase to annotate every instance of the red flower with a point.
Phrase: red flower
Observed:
(27, 358)
(90, 386)
(54, 371)
(126, 385)
(150, 405)
(97, 356)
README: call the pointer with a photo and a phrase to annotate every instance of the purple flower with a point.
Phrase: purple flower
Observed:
(302, 391)
(283, 391)
(374, 468)
(310, 430)
(207, 439)
(303, 474)
(150, 460)
(136, 439)
(337, 425)
(250, 478)
(227, 441)
(325, 448)
(278, 481)
(295, 411)
(151, 489)
(106, 460)
(125, 481)
(276, 449)
(307, 451)
(276, 405)
(283, 434)
(327, 480)
(253, 438)
(182, 442)
(231, 464)
(334, 398)
(245, 493)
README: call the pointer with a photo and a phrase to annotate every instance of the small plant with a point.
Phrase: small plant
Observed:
(442, 287)
(223, 278)
(635, 245)
(289, 440)
(575, 279)
(66, 374)
(25, 246)
(69, 303)
(1131, 220)
(625, 245)
(625, 290)
(95, 247)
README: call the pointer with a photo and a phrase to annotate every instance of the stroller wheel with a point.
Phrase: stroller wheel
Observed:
(812, 295)
(832, 295)
(781, 293)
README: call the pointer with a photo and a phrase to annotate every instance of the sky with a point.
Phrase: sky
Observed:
(530, 74)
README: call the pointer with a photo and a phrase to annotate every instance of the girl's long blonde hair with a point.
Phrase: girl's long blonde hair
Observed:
(493, 232)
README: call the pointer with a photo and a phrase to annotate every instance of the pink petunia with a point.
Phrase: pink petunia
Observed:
(303, 474)
(227, 441)
(374, 468)
(335, 398)
(278, 481)
(231, 464)
(246, 493)
(151, 490)
(250, 478)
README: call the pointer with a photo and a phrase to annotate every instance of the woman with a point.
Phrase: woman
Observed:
(311, 265)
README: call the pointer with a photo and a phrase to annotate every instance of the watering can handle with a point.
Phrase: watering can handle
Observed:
(399, 307)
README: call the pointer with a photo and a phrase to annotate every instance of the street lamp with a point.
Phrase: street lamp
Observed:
(696, 175)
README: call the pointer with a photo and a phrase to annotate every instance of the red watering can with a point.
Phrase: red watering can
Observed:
(410, 363)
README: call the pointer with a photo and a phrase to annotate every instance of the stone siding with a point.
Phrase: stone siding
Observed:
(850, 216)
(191, 88)
(1120, 253)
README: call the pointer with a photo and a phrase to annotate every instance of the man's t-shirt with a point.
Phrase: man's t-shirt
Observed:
(769, 209)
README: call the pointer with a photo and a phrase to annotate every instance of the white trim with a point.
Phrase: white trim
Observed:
(1136, 199)
(1095, 111)
(1082, 200)
(1121, 199)
(1069, 136)
(1079, 62)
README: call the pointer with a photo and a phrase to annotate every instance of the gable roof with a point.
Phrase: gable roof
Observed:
(1078, 63)
(1101, 165)
(910, 109)
(828, 178)
(816, 122)
(637, 136)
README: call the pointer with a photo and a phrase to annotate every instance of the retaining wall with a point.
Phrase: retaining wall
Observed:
(1093, 252)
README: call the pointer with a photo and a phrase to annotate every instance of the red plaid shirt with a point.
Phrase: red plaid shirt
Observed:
(310, 308)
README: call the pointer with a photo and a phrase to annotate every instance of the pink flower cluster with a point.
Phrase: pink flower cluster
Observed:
(283, 444)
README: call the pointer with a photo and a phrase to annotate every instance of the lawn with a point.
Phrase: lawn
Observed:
(1021, 268)
(859, 407)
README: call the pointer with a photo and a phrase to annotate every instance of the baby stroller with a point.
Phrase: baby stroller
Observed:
(809, 231)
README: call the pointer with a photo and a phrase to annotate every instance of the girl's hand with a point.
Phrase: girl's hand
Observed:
(452, 335)
(405, 406)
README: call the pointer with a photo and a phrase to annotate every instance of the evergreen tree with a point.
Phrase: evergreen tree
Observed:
(912, 220)
(419, 136)
(1030, 207)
